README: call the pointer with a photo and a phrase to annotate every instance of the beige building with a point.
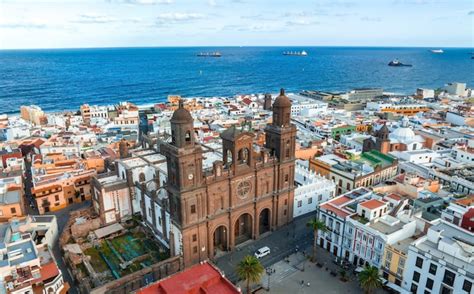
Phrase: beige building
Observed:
(33, 114)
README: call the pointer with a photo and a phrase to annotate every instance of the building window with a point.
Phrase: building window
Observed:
(286, 178)
(300, 203)
(389, 255)
(193, 208)
(286, 201)
(284, 212)
(416, 276)
(429, 283)
(448, 278)
(433, 268)
(414, 288)
(419, 262)
(194, 237)
(467, 286)
(56, 198)
(195, 249)
(310, 200)
(13, 210)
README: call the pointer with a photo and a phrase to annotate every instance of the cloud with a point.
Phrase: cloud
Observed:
(371, 19)
(178, 17)
(141, 2)
(250, 28)
(301, 22)
(212, 3)
(23, 25)
(416, 2)
(102, 19)
(470, 12)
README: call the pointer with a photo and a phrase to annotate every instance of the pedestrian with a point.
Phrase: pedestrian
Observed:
(302, 282)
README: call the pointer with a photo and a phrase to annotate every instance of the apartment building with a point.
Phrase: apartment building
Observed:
(334, 213)
(370, 169)
(28, 265)
(11, 194)
(54, 191)
(441, 262)
(311, 189)
(33, 114)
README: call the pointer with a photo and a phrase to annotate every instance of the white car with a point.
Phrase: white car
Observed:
(264, 251)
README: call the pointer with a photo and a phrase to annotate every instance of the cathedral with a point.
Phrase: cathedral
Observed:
(246, 194)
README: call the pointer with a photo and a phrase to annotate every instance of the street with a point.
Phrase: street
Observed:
(282, 243)
(62, 217)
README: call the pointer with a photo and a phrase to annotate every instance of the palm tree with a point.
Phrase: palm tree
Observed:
(316, 225)
(250, 269)
(369, 279)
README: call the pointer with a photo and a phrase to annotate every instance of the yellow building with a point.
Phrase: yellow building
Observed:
(394, 260)
(60, 180)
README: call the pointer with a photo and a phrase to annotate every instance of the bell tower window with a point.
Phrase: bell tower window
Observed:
(187, 137)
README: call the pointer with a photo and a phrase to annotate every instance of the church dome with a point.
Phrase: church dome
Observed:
(282, 100)
(403, 135)
(181, 115)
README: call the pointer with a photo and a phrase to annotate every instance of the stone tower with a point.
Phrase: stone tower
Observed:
(281, 134)
(123, 149)
(382, 142)
(267, 103)
(184, 163)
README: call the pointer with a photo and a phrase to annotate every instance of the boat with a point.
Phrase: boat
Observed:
(397, 63)
(437, 51)
(209, 54)
(295, 53)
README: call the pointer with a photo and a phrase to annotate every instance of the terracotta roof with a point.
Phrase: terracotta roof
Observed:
(372, 204)
(467, 201)
(201, 278)
(394, 196)
(340, 200)
(339, 212)
(247, 101)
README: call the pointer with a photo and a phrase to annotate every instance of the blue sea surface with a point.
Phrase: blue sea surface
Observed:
(63, 79)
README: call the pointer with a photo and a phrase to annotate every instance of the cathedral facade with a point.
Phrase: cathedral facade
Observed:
(248, 193)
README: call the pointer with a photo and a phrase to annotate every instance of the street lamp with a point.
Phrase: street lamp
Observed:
(269, 271)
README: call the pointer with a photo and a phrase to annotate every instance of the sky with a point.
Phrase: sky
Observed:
(132, 23)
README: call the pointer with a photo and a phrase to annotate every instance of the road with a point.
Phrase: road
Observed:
(282, 243)
(62, 216)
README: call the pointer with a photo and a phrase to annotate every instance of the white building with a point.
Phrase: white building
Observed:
(425, 93)
(420, 156)
(311, 189)
(441, 262)
(301, 105)
(464, 153)
(334, 213)
(456, 88)
(27, 264)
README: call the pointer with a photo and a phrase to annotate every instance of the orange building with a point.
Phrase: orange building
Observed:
(60, 180)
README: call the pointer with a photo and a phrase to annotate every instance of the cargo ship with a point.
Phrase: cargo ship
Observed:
(295, 53)
(209, 54)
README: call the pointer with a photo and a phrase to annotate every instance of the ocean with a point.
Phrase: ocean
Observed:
(63, 79)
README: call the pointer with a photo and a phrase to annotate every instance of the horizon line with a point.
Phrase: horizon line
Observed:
(231, 46)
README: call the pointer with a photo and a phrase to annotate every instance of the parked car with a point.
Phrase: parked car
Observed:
(264, 251)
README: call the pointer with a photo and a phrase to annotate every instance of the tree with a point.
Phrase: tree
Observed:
(250, 269)
(317, 226)
(369, 279)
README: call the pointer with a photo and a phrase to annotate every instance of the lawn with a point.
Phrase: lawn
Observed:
(96, 260)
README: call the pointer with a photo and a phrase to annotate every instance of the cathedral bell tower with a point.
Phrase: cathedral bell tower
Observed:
(281, 134)
(183, 158)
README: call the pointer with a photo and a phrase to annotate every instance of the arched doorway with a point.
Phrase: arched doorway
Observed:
(264, 221)
(220, 238)
(243, 228)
